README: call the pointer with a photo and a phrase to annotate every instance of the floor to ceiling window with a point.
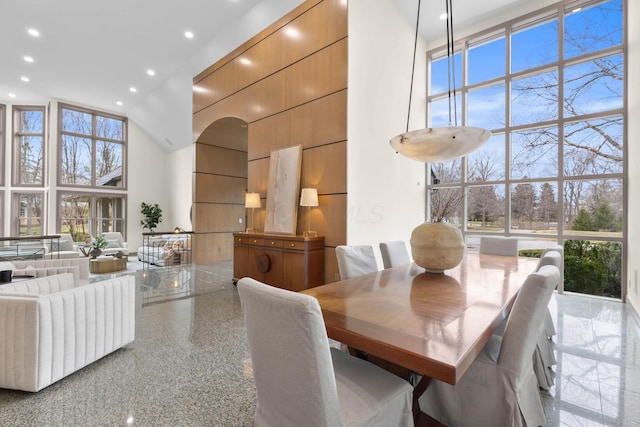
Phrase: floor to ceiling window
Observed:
(550, 87)
(28, 170)
(2, 130)
(91, 174)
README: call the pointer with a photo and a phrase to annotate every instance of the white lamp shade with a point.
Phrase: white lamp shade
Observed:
(252, 200)
(309, 197)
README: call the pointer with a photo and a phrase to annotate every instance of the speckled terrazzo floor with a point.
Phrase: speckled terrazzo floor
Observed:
(189, 364)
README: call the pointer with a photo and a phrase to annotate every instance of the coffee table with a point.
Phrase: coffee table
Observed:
(107, 265)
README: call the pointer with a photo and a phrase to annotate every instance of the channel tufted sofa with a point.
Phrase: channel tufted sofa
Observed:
(49, 267)
(50, 329)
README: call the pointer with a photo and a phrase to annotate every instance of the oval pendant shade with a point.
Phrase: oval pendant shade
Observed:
(439, 144)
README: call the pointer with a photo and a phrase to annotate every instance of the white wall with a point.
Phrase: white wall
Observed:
(633, 136)
(181, 186)
(385, 190)
(149, 181)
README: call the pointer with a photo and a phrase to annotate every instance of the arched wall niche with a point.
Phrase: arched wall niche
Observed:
(220, 183)
(289, 91)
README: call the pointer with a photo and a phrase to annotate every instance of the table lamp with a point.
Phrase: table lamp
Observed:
(308, 198)
(252, 200)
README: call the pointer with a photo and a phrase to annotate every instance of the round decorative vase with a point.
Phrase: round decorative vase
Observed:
(95, 252)
(437, 246)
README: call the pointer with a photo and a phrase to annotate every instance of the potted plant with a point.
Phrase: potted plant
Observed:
(98, 245)
(152, 215)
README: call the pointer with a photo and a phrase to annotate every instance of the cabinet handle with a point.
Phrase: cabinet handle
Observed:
(293, 244)
(273, 243)
(255, 241)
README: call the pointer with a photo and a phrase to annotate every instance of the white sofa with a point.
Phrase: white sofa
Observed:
(52, 329)
(166, 249)
(48, 267)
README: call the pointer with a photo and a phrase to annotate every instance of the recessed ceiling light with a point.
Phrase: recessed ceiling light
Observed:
(151, 72)
(24, 79)
(28, 59)
(12, 95)
(188, 34)
(133, 89)
(443, 16)
(33, 32)
(119, 103)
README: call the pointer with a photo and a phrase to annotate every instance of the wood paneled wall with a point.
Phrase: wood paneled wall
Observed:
(289, 84)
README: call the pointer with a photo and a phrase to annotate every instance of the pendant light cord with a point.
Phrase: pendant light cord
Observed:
(413, 66)
(451, 62)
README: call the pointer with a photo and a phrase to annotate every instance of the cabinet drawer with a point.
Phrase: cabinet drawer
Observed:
(273, 243)
(294, 245)
(255, 241)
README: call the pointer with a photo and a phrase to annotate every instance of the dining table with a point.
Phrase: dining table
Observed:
(427, 323)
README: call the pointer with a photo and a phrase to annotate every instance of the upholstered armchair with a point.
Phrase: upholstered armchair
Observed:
(115, 243)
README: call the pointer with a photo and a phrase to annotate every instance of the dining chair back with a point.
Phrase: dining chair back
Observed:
(299, 380)
(550, 258)
(543, 357)
(355, 260)
(526, 318)
(549, 327)
(499, 245)
(500, 388)
(394, 253)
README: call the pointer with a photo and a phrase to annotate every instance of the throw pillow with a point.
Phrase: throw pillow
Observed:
(63, 245)
(112, 244)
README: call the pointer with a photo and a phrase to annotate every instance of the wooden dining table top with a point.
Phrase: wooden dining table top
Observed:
(433, 324)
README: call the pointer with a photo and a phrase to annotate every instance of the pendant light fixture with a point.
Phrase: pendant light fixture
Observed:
(440, 144)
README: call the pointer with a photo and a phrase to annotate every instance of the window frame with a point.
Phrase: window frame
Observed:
(559, 10)
(17, 141)
(94, 138)
(3, 112)
(93, 219)
(15, 211)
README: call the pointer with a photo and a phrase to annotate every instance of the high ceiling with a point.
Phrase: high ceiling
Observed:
(91, 53)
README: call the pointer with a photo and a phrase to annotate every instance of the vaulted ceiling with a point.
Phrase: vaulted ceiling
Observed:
(93, 53)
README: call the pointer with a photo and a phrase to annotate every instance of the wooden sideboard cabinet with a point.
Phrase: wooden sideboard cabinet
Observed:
(289, 262)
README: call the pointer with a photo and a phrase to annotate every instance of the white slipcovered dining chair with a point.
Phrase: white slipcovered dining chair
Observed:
(355, 260)
(394, 253)
(499, 245)
(500, 388)
(300, 381)
(549, 327)
(543, 356)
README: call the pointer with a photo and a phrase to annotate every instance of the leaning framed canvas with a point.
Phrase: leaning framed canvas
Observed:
(282, 190)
